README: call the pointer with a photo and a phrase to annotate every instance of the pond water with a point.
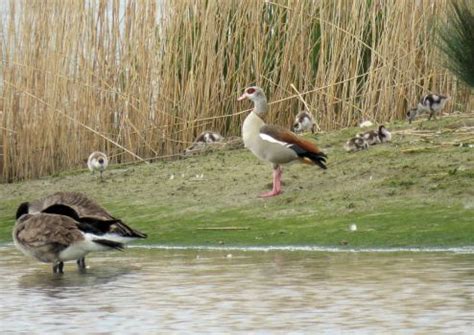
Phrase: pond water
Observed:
(236, 291)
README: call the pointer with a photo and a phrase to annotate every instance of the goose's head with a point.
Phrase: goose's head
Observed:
(257, 96)
(253, 93)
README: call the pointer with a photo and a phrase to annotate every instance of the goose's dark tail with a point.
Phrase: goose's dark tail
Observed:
(317, 158)
(311, 157)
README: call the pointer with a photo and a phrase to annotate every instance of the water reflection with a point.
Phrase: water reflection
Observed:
(224, 291)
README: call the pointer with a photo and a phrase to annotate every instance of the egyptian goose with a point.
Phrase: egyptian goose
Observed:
(205, 138)
(431, 103)
(304, 121)
(356, 144)
(372, 137)
(97, 161)
(274, 144)
(53, 238)
(85, 211)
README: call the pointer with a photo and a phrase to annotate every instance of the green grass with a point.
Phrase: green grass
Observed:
(414, 192)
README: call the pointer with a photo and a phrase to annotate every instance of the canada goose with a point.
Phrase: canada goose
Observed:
(356, 144)
(431, 103)
(205, 138)
(97, 161)
(84, 210)
(304, 121)
(53, 238)
(275, 144)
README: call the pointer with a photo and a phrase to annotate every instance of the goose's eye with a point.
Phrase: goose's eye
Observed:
(250, 90)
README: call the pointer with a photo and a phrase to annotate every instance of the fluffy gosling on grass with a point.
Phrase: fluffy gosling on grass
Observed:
(356, 144)
(430, 103)
(98, 161)
(204, 139)
(382, 135)
(363, 140)
(304, 122)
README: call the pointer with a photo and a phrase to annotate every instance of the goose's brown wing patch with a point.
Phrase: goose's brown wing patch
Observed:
(82, 204)
(41, 229)
(282, 135)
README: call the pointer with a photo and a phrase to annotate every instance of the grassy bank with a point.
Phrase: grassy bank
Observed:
(416, 191)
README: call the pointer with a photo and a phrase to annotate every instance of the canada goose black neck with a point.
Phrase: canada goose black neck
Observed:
(22, 209)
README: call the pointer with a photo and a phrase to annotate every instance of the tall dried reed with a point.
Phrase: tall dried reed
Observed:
(139, 79)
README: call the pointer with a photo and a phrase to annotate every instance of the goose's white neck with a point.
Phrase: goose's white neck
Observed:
(251, 128)
(261, 106)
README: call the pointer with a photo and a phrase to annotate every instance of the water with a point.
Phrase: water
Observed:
(234, 291)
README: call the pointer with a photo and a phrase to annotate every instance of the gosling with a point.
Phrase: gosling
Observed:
(98, 161)
(304, 122)
(204, 139)
(356, 144)
(382, 135)
(431, 103)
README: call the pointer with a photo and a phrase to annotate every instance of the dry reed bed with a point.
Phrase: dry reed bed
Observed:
(139, 80)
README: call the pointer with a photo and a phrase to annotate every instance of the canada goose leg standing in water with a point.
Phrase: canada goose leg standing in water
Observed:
(81, 264)
(58, 267)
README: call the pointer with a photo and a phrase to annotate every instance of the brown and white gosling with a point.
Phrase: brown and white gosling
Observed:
(304, 122)
(356, 144)
(372, 137)
(363, 140)
(97, 161)
(204, 139)
(430, 103)
(88, 215)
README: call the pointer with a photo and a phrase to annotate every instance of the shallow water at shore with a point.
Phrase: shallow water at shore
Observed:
(146, 290)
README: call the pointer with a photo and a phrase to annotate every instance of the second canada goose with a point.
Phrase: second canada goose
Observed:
(86, 212)
(98, 161)
(53, 238)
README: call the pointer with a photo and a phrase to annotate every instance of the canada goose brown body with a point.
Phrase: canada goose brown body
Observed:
(88, 215)
(84, 207)
(53, 238)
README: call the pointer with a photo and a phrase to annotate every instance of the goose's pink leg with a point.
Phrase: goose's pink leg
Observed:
(277, 172)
